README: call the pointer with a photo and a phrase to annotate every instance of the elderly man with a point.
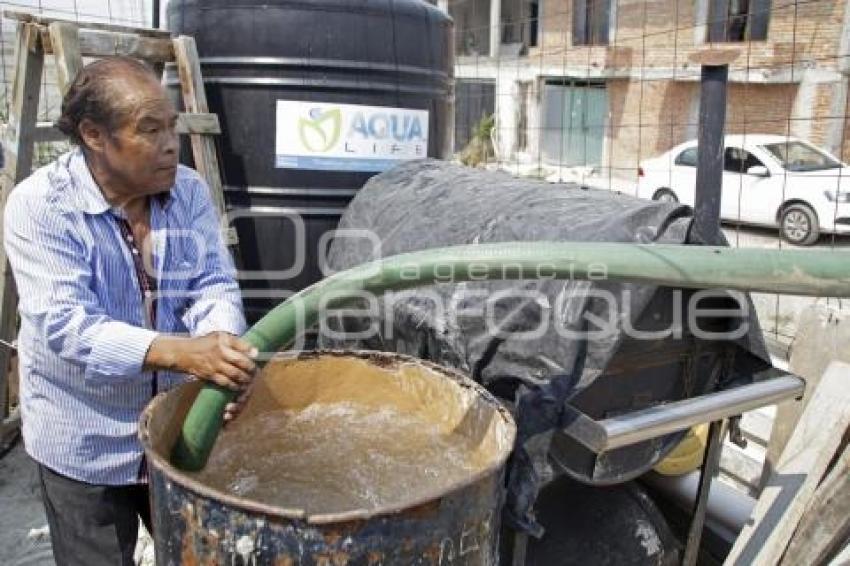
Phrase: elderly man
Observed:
(125, 289)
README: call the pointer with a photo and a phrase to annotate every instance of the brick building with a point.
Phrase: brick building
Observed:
(607, 83)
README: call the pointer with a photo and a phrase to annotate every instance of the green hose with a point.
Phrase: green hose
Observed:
(794, 272)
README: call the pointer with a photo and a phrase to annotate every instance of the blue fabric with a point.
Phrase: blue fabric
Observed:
(82, 340)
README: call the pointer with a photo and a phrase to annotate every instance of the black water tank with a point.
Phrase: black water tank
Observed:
(314, 97)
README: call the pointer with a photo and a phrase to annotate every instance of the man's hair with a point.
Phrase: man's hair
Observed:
(92, 95)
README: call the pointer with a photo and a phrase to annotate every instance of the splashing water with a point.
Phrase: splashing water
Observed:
(331, 458)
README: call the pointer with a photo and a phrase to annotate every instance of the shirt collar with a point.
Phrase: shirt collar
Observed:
(90, 196)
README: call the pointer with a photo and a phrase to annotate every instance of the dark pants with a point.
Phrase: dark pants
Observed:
(92, 524)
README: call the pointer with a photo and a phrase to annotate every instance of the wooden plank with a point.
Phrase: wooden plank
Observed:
(29, 62)
(195, 101)
(46, 20)
(96, 43)
(66, 52)
(843, 557)
(823, 335)
(792, 484)
(205, 124)
(826, 525)
(44, 132)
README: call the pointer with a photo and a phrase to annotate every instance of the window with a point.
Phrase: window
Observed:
(533, 23)
(688, 158)
(738, 20)
(590, 22)
(797, 156)
(737, 160)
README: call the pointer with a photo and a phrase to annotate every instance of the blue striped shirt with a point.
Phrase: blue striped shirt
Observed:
(83, 339)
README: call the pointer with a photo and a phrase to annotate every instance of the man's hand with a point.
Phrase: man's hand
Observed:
(232, 410)
(218, 357)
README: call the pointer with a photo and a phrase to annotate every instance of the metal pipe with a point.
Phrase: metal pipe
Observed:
(647, 424)
(712, 120)
(710, 466)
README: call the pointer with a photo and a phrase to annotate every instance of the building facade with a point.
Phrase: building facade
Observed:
(604, 84)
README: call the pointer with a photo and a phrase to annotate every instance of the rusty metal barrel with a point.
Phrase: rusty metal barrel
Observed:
(195, 523)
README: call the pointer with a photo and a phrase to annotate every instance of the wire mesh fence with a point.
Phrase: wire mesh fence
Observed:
(606, 93)
(121, 12)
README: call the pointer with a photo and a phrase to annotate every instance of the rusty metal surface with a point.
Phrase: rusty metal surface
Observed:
(459, 528)
(195, 524)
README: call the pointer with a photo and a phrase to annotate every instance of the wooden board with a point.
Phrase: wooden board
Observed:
(44, 132)
(205, 124)
(823, 335)
(826, 525)
(96, 43)
(195, 101)
(66, 53)
(186, 124)
(203, 146)
(46, 20)
(803, 463)
(29, 62)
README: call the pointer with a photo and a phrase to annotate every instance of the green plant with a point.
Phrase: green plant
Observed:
(480, 147)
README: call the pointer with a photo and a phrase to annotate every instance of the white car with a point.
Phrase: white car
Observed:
(767, 181)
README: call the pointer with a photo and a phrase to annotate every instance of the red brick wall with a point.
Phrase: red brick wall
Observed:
(646, 118)
(660, 34)
(649, 117)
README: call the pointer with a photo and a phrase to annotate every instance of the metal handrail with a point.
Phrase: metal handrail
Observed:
(646, 424)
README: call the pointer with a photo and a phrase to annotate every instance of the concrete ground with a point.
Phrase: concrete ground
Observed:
(24, 536)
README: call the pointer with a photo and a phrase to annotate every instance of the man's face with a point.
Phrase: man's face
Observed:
(141, 154)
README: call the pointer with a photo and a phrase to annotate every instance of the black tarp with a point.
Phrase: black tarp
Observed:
(537, 344)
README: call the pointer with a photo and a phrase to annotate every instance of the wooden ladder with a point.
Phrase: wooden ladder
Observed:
(69, 42)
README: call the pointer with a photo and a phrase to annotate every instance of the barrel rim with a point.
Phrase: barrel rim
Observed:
(180, 477)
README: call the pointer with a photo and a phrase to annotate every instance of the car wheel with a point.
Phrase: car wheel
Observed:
(798, 224)
(665, 195)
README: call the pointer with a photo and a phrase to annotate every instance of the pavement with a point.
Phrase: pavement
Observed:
(24, 540)
(24, 536)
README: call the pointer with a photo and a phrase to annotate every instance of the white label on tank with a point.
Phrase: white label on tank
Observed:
(347, 137)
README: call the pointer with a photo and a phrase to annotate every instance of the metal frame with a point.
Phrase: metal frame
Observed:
(646, 424)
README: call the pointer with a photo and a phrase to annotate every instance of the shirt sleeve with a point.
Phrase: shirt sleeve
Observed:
(216, 299)
(54, 281)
